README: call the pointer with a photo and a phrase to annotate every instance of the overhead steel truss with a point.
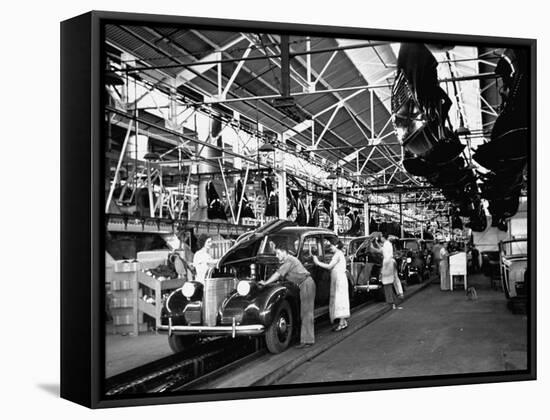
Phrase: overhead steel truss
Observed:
(374, 142)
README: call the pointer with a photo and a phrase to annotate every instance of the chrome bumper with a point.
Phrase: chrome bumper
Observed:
(232, 330)
(368, 287)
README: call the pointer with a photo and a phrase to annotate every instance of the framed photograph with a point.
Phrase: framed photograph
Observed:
(254, 209)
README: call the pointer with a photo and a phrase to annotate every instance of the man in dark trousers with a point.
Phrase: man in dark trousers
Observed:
(291, 269)
(475, 259)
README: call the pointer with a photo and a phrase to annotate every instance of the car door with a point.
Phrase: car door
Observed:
(357, 261)
(311, 245)
(323, 282)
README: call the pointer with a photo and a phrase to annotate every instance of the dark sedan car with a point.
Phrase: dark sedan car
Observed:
(411, 259)
(232, 303)
(364, 267)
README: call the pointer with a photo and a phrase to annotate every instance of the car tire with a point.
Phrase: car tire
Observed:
(279, 333)
(179, 343)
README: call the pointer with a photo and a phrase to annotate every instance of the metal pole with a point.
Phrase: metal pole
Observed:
(119, 164)
(308, 61)
(282, 184)
(334, 208)
(242, 194)
(366, 217)
(285, 66)
(149, 188)
(401, 216)
(227, 192)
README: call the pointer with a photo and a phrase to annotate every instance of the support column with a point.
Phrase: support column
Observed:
(366, 215)
(212, 137)
(118, 166)
(334, 209)
(285, 66)
(401, 216)
(281, 190)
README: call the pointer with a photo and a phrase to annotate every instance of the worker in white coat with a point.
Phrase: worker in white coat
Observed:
(445, 278)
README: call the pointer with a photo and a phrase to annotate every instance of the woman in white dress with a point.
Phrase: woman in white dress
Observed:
(339, 293)
(203, 260)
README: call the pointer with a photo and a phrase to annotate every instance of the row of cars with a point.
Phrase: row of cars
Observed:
(231, 302)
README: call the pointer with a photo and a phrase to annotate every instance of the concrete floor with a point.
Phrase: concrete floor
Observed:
(125, 352)
(435, 333)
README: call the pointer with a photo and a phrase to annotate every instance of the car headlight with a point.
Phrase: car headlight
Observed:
(188, 289)
(409, 260)
(243, 288)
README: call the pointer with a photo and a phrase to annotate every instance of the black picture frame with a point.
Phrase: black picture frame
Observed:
(82, 215)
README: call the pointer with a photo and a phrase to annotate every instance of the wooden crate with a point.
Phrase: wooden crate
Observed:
(159, 287)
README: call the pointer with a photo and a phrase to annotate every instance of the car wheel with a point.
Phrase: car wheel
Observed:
(179, 343)
(279, 332)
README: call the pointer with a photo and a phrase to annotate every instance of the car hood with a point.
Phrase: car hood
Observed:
(246, 248)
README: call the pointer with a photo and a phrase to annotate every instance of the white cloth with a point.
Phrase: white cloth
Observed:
(202, 262)
(339, 293)
(387, 250)
(388, 263)
(397, 284)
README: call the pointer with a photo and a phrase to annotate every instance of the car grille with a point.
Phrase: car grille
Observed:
(215, 291)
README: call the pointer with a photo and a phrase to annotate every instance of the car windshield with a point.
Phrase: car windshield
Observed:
(410, 245)
(288, 240)
(511, 248)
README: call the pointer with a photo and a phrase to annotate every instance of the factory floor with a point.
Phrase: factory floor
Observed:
(125, 352)
(436, 333)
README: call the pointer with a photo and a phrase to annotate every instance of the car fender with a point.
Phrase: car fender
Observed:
(174, 307)
(274, 297)
(259, 305)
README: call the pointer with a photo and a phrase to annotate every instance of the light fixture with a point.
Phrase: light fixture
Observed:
(266, 147)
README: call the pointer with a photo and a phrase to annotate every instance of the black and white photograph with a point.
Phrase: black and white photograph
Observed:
(290, 208)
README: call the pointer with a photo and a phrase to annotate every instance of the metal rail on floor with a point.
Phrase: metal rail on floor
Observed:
(175, 370)
(200, 364)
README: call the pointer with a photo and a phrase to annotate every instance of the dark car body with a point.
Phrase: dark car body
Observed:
(411, 259)
(428, 245)
(231, 302)
(513, 265)
(363, 266)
